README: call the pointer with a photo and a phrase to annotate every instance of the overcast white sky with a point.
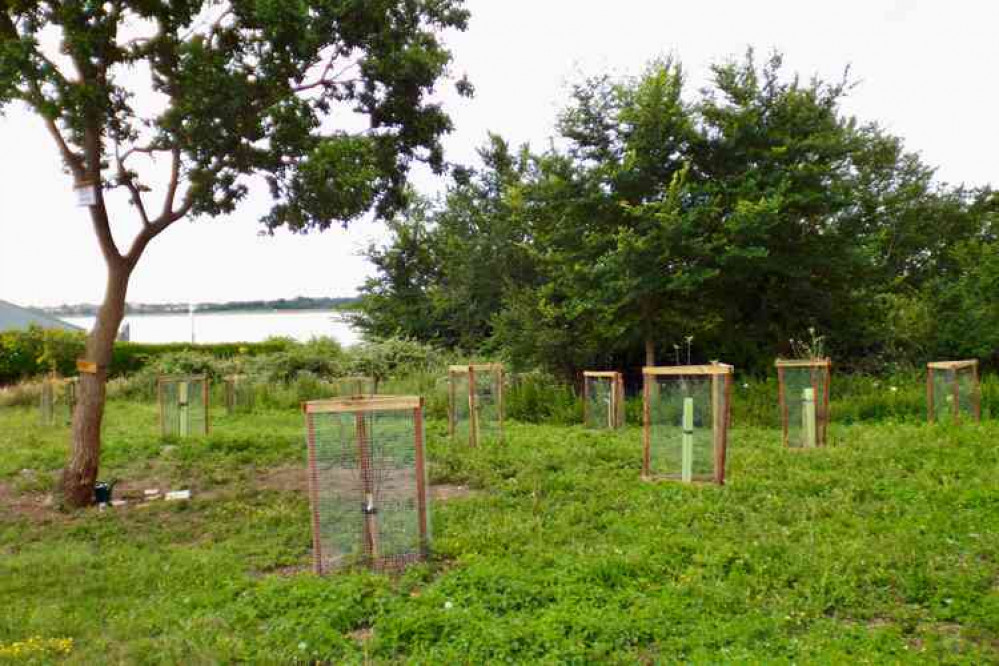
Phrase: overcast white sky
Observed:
(926, 70)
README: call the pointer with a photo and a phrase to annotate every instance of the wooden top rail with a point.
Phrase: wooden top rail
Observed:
(803, 363)
(606, 375)
(179, 378)
(378, 403)
(478, 367)
(952, 365)
(713, 369)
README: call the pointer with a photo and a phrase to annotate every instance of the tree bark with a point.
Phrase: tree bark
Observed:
(650, 352)
(80, 474)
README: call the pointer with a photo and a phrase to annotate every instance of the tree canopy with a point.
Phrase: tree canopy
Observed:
(739, 216)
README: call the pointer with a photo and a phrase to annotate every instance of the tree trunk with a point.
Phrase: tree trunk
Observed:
(650, 352)
(80, 474)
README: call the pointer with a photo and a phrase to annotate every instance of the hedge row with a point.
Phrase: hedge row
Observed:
(36, 351)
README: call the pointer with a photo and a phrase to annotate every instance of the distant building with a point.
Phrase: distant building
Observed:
(15, 318)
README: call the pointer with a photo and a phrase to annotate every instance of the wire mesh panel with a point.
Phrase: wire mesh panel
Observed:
(803, 398)
(184, 406)
(57, 401)
(953, 393)
(240, 394)
(686, 411)
(354, 387)
(367, 482)
(475, 402)
(603, 400)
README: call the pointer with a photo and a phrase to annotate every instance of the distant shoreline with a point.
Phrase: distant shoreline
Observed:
(329, 311)
(299, 304)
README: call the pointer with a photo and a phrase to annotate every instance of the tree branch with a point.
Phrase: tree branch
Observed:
(126, 179)
(174, 183)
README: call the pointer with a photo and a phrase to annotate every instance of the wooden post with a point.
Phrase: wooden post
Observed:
(183, 390)
(930, 411)
(782, 402)
(206, 388)
(687, 454)
(816, 409)
(619, 403)
(368, 488)
(421, 480)
(976, 394)
(826, 414)
(647, 425)
(586, 401)
(721, 441)
(956, 392)
(452, 406)
(611, 403)
(473, 410)
(317, 548)
(159, 400)
(499, 402)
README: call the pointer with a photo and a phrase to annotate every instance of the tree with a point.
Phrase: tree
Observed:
(449, 263)
(224, 91)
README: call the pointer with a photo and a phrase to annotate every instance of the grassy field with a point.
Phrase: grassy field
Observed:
(882, 548)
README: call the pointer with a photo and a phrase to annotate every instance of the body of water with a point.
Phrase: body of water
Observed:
(256, 326)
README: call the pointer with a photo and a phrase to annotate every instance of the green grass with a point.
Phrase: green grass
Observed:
(881, 548)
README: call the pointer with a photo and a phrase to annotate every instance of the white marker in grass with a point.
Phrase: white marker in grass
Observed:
(808, 417)
(182, 408)
(686, 473)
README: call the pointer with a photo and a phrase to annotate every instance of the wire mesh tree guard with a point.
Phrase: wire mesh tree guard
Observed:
(475, 402)
(185, 405)
(603, 400)
(953, 391)
(803, 399)
(368, 489)
(57, 401)
(354, 387)
(686, 412)
(239, 394)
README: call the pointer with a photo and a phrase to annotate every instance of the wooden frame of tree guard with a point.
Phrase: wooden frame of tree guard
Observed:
(238, 394)
(958, 381)
(368, 489)
(57, 393)
(686, 412)
(184, 405)
(603, 400)
(803, 398)
(475, 401)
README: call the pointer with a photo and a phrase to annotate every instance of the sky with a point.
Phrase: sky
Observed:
(924, 69)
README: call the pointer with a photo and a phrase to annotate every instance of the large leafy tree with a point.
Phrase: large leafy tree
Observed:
(741, 216)
(328, 101)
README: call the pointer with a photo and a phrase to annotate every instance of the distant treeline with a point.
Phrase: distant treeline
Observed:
(298, 303)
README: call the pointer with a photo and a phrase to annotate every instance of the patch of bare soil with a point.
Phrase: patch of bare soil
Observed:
(445, 492)
(284, 479)
(37, 507)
